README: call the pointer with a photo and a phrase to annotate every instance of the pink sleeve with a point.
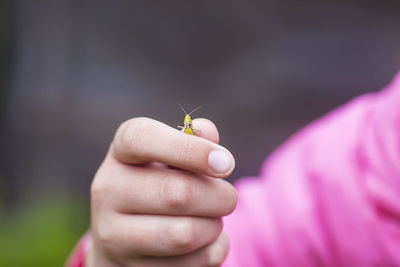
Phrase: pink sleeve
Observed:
(78, 256)
(330, 196)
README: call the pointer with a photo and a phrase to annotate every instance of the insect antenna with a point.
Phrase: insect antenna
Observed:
(199, 107)
(179, 104)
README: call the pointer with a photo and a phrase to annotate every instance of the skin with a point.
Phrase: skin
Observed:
(155, 201)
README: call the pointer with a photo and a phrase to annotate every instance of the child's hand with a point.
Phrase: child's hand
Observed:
(145, 213)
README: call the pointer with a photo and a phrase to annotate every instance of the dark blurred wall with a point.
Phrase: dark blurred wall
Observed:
(261, 70)
(8, 185)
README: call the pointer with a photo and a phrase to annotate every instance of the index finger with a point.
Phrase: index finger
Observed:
(142, 140)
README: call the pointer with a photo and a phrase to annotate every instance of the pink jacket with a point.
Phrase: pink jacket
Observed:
(330, 196)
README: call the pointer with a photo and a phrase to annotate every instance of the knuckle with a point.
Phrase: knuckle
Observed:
(98, 188)
(177, 193)
(101, 191)
(183, 236)
(132, 132)
(104, 235)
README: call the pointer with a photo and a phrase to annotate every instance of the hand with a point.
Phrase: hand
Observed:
(155, 200)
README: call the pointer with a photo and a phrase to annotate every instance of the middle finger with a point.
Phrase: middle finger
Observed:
(165, 191)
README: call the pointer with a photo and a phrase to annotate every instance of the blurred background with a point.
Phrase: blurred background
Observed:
(73, 70)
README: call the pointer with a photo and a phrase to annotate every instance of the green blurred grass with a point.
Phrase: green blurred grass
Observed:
(43, 235)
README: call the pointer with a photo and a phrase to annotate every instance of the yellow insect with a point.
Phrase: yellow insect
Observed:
(187, 122)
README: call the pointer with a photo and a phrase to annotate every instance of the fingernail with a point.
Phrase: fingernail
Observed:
(220, 161)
